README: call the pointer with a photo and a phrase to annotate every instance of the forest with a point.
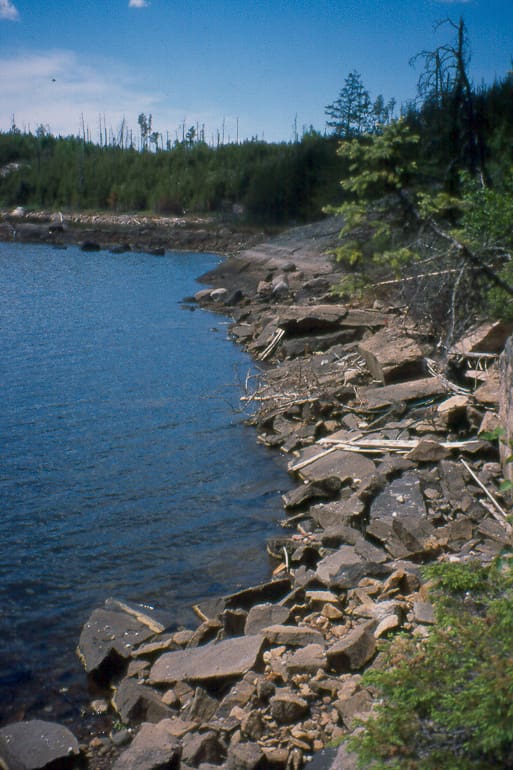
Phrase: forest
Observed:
(460, 128)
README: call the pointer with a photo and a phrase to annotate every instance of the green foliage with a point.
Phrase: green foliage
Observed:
(447, 701)
(275, 183)
(353, 113)
(379, 167)
(380, 164)
(487, 214)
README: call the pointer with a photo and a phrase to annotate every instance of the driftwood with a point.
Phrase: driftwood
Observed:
(497, 511)
(377, 446)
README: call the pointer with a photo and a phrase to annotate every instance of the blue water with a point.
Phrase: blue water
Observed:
(126, 469)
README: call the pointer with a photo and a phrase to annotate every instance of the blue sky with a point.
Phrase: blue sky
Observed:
(258, 67)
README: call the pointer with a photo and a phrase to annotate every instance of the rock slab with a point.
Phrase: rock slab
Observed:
(35, 745)
(216, 660)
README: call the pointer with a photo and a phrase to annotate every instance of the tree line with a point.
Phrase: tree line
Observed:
(460, 128)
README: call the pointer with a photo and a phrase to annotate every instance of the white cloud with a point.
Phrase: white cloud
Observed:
(138, 4)
(9, 11)
(57, 88)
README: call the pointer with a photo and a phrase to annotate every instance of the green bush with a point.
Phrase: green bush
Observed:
(447, 701)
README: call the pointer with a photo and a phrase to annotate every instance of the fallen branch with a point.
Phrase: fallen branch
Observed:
(497, 511)
(277, 337)
(376, 446)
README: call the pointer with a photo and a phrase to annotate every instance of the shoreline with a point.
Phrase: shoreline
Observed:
(348, 575)
(127, 232)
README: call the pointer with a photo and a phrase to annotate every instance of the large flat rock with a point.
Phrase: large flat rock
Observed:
(217, 660)
(35, 745)
(391, 355)
(109, 637)
(425, 387)
(346, 466)
(154, 747)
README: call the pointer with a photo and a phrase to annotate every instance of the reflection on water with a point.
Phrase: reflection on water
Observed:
(125, 467)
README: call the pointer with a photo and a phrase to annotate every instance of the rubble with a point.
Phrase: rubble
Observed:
(377, 434)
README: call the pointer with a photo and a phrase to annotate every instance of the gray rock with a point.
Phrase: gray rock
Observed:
(298, 346)
(332, 564)
(353, 707)
(404, 391)
(287, 708)
(245, 756)
(353, 651)
(240, 695)
(293, 636)
(323, 490)
(398, 518)
(153, 748)
(107, 640)
(202, 747)
(203, 706)
(428, 451)
(424, 612)
(263, 615)
(391, 355)
(488, 337)
(307, 660)
(136, 702)
(273, 590)
(338, 512)
(35, 745)
(234, 622)
(213, 661)
(304, 319)
(253, 725)
(345, 466)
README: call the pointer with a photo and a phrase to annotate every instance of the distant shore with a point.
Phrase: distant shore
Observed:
(127, 232)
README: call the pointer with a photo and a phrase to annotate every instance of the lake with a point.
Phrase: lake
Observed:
(126, 468)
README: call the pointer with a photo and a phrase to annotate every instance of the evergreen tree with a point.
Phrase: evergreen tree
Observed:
(351, 113)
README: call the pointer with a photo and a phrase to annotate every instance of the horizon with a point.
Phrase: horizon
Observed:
(257, 71)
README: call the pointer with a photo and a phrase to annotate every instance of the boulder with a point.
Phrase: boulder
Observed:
(338, 512)
(302, 319)
(398, 518)
(489, 392)
(345, 466)
(375, 398)
(287, 707)
(136, 702)
(354, 707)
(263, 615)
(428, 451)
(488, 337)
(344, 569)
(307, 660)
(198, 748)
(245, 756)
(107, 641)
(273, 590)
(153, 748)
(293, 636)
(324, 490)
(390, 356)
(214, 661)
(203, 705)
(36, 745)
(331, 565)
(353, 651)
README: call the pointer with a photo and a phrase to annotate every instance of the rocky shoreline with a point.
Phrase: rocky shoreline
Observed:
(391, 474)
(121, 233)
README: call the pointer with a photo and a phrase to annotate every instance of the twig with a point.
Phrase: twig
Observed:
(502, 517)
(277, 337)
